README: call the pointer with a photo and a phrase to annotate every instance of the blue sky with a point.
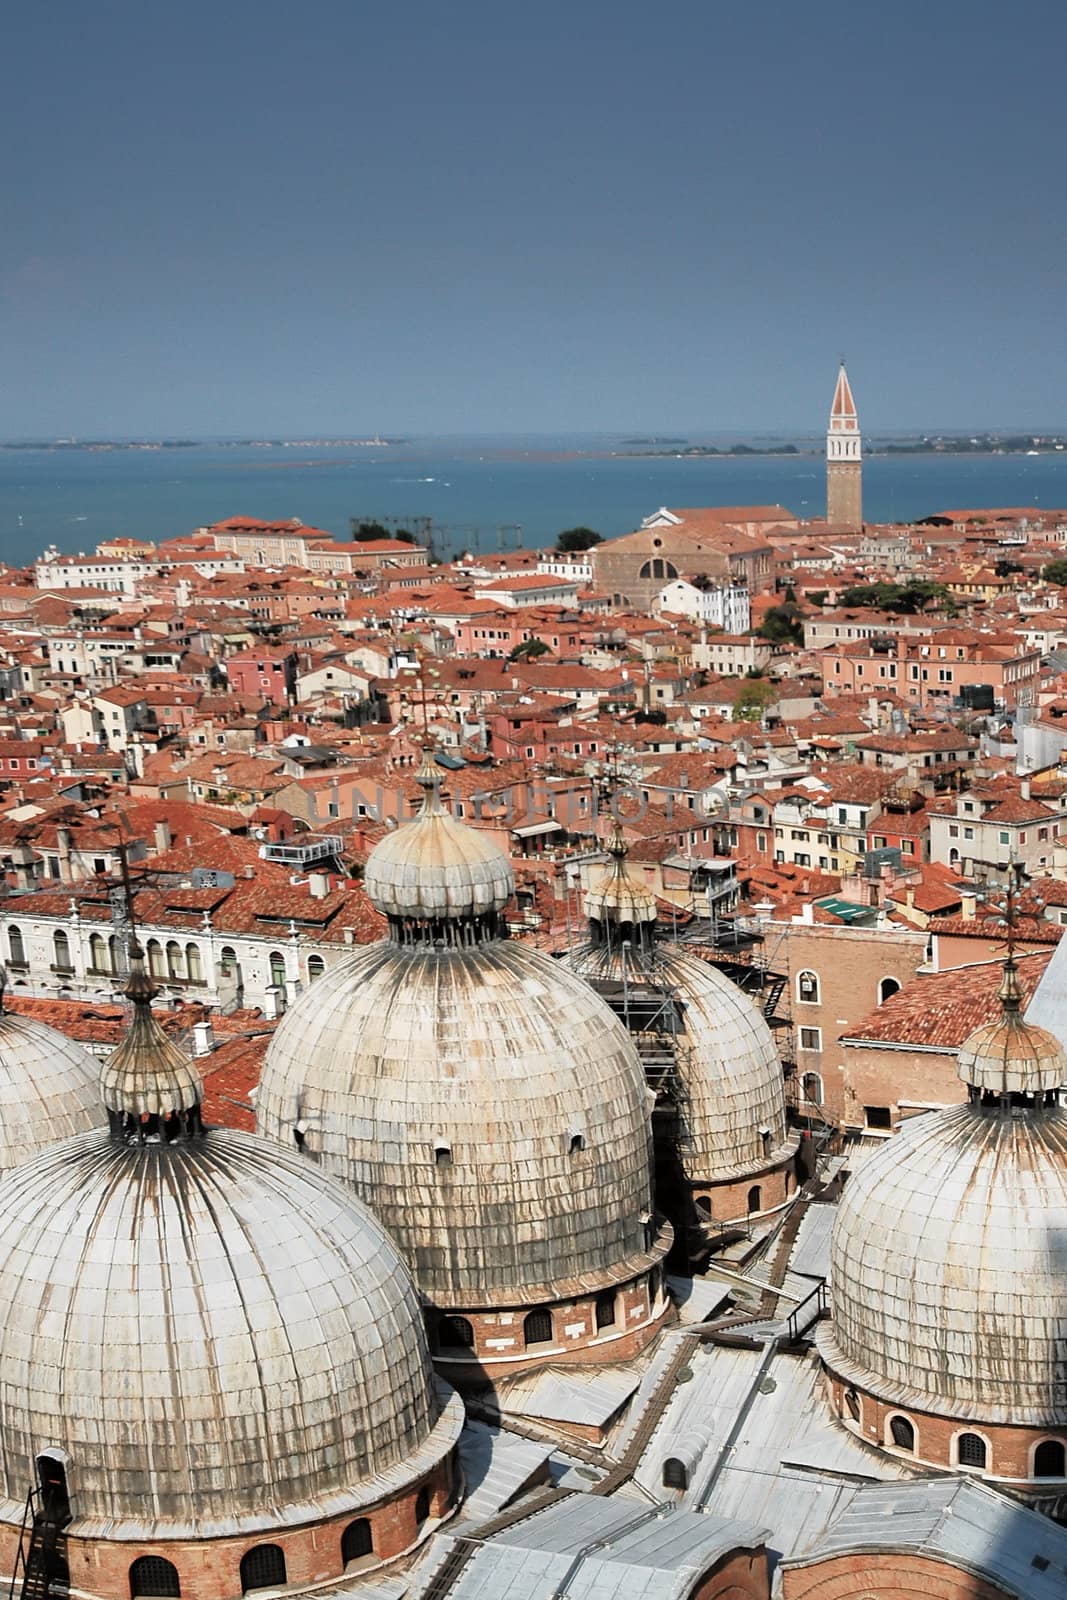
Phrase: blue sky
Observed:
(337, 217)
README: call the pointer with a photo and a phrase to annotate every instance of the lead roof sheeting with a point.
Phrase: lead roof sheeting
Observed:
(496, 1465)
(963, 1521)
(811, 1253)
(501, 1054)
(585, 1397)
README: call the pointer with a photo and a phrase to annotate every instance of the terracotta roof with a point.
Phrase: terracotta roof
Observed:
(942, 1008)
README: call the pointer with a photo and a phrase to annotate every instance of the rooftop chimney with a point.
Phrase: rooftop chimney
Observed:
(163, 837)
(203, 1038)
(318, 885)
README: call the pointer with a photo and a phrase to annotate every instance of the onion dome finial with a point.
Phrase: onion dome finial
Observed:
(150, 1088)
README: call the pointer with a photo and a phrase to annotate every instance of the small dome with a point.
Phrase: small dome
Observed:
(220, 1337)
(733, 1108)
(148, 1075)
(488, 1105)
(436, 868)
(949, 1267)
(1011, 1055)
(618, 895)
(49, 1089)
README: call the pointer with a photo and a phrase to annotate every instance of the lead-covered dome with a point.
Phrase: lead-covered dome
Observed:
(484, 1101)
(949, 1249)
(436, 868)
(734, 1095)
(49, 1088)
(729, 1086)
(219, 1337)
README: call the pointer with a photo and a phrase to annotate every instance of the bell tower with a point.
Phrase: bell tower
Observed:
(844, 460)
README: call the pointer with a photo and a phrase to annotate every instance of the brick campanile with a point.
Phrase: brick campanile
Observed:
(844, 460)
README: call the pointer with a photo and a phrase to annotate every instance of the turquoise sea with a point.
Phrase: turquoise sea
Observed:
(472, 489)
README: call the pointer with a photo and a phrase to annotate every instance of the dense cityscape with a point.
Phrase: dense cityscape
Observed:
(538, 1073)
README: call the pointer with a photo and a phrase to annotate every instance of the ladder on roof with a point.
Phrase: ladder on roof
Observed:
(40, 1570)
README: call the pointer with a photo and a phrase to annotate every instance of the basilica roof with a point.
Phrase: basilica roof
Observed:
(49, 1088)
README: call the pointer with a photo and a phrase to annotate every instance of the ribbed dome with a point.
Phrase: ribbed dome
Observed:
(220, 1337)
(49, 1089)
(1011, 1055)
(435, 867)
(617, 894)
(485, 1102)
(148, 1074)
(949, 1267)
(733, 1108)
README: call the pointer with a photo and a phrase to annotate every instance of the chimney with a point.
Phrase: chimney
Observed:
(203, 1038)
(1024, 788)
(66, 874)
(163, 837)
(968, 906)
(318, 885)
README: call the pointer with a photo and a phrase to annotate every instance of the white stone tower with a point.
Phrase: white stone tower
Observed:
(844, 460)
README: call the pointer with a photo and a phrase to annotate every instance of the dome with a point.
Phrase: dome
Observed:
(148, 1074)
(488, 1105)
(949, 1267)
(734, 1105)
(732, 1099)
(220, 1337)
(618, 895)
(436, 867)
(49, 1088)
(1011, 1055)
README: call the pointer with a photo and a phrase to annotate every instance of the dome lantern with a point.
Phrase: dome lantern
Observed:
(437, 881)
(1011, 1061)
(151, 1090)
(620, 906)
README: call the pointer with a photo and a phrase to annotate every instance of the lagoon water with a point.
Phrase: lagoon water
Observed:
(73, 498)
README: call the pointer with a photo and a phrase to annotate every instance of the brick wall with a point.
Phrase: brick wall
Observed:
(868, 1577)
(500, 1346)
(210, 1569)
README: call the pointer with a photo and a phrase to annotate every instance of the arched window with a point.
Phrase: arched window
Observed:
(422, 1504)
(537, 1328)
(887, 987)
(61, 949)
(277, 971)
(112, 953)
(357, 1541)
(753, 1199)
(902, 1433)
(98, 956)
(852, 1405)
(151, 1575)
(316, 968)
(808, 988)
(1050, 1459)
(227, 958)
(971, 1450)
(192, 963)
(262, 1567)
(15, 947)
(455, 1333)
(675, 1474)
(811, 1084)
(174, 959)
(155, 958)
(605, 1311)
(703, 1205)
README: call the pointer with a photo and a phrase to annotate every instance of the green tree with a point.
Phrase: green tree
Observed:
(755, 695)
(574, 539)
(916, 595)
(529, 650)
(364, 530)
(1055, 572)
(782, 625)
(818, 597)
